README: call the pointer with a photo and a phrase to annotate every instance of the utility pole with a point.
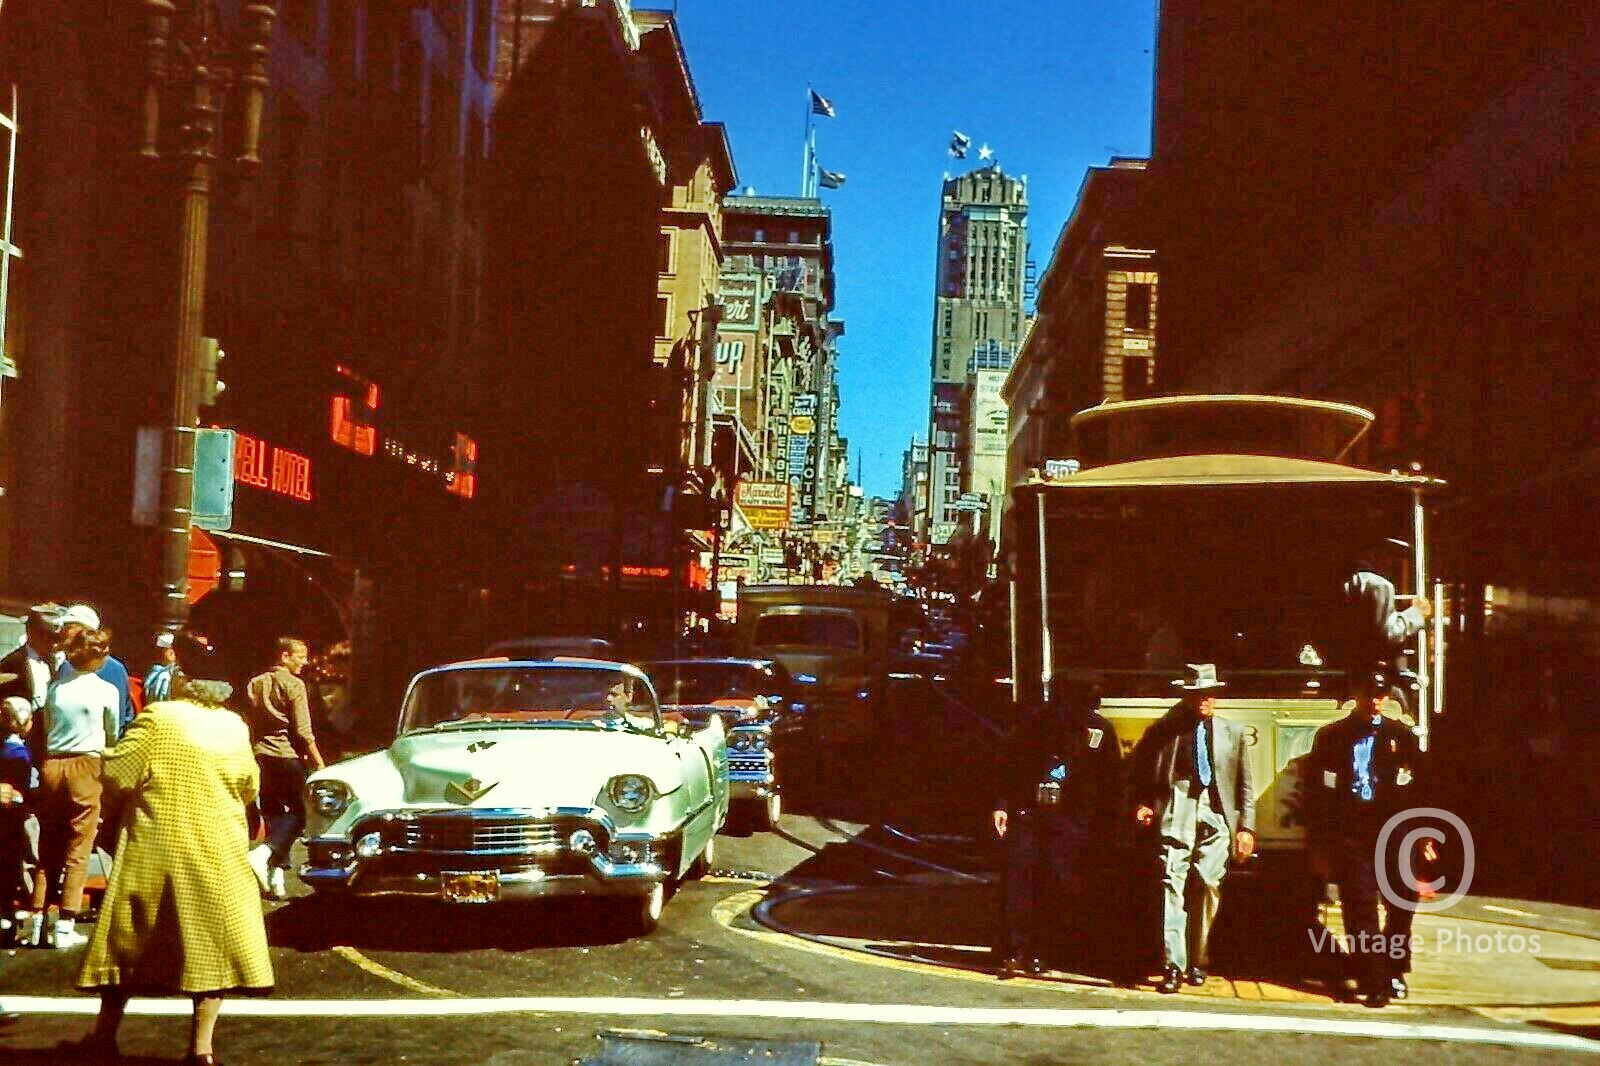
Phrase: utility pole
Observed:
(188, 59)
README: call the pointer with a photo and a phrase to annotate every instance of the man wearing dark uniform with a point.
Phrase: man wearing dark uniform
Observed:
(1362, 771)
(1060, 785)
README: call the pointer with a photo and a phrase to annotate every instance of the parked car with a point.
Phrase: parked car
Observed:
(514, 780)
(755, 700)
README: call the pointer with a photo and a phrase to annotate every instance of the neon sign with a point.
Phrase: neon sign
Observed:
(267, 466)
(462, 478)
(353, 425)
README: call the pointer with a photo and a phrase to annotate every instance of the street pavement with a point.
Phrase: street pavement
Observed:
(832, 931)
(862, 925)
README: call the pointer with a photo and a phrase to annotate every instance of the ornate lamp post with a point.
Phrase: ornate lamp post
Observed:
(188, 63)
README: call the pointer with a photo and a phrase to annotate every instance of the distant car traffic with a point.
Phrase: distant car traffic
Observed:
(755, 699)
(523, 780)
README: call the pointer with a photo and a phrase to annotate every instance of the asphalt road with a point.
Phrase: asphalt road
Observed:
(739, 956)
(537, 984)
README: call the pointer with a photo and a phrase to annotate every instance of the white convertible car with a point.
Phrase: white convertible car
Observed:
(523, 780)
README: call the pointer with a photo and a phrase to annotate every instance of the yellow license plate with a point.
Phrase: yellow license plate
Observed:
(476, 887)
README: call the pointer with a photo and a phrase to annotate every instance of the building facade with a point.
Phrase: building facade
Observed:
(345, 287)
(979, 321)
(1093, 336)
(1416, 237)
(604, 267)
(777, 353)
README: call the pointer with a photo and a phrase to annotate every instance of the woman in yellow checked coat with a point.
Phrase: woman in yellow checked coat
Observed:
(182, 913)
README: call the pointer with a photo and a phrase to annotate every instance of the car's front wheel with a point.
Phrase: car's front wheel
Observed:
(644, 913)
(761, 815)
(769, 812)
(702, 865)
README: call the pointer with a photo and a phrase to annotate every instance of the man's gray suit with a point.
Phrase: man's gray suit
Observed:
(1197, 825)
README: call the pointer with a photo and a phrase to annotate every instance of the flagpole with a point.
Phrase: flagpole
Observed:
(807, 147)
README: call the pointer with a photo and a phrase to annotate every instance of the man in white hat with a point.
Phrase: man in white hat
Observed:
(1190, 779)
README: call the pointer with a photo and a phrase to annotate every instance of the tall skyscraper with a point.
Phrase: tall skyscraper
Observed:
(978, 327)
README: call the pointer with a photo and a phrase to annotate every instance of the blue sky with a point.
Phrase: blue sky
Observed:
(1054, 86)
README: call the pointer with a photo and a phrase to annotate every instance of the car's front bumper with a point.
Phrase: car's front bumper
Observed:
(576, 854)
(528, 882)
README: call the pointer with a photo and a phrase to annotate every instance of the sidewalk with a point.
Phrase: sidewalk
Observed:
(1507, 960)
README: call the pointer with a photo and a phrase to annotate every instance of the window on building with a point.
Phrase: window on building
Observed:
(444, 127)
(482, 34)
(333, 207)
(665, 263)
(292, 127)
(382, 35)
(9, 252)
(1136, 376)
(412, 75)
(664, 315)
(760, 236)
(341, 38)
(299, 17)
(1138, 314)
(794, 236)
(952, 495)
(472, 164)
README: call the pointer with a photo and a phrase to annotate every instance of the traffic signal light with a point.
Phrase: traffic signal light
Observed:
(211, 385)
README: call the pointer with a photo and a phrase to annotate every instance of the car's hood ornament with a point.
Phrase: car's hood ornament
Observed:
(471, 790)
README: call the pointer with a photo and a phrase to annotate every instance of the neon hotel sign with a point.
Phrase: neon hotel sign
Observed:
(267, 466)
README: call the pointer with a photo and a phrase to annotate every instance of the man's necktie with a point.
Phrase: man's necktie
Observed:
(1202, 752)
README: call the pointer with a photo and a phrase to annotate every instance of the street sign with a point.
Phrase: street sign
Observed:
(1060, 468)
(211, 503)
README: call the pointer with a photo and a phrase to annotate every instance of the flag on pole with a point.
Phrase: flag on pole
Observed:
(959, 143)
(829, 179)
(821, 105)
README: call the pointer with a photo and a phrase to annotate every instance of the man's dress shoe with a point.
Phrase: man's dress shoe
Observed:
(1398, 988)
(1196, 976)
(1171, 981)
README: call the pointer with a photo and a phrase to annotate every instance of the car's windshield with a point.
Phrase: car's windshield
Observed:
(557, 696)
(808, 629)
(690, 683)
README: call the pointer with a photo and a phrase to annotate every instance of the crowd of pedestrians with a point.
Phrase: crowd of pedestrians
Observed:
(168, 772)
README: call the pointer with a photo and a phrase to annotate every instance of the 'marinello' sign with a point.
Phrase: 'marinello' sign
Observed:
(765, 503)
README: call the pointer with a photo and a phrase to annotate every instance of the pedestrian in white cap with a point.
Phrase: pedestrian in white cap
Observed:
(158, 682)
(81, 618)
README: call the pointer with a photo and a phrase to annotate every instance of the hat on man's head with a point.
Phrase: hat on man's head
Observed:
(46, 614)
(82, 614)
(163, 640)
(1201, 676)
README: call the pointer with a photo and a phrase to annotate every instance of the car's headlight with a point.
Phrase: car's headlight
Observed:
(328, 798)
(630, 792)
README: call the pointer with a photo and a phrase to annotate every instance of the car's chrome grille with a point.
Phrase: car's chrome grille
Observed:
(468, 834)
(748, 764)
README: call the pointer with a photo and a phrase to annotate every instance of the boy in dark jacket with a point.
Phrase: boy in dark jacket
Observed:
(17, 776)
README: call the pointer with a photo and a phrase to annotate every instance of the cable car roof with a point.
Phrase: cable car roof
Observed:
(1125, 430)
(1216, 470)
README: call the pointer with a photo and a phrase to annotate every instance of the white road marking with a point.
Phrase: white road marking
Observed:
(788, 1010)
(1508, 910)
